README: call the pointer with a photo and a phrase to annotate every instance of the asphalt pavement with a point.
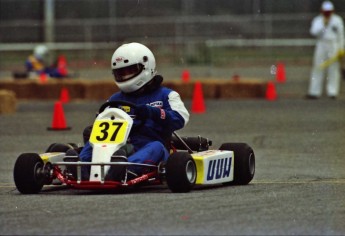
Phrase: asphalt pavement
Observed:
(298, 188)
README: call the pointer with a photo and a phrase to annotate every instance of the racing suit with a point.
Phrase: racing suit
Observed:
(330, 43)
(150, 139)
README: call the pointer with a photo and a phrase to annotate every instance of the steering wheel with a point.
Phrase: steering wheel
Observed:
(116, 104)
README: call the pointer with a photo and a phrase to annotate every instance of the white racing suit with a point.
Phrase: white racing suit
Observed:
(330, 41)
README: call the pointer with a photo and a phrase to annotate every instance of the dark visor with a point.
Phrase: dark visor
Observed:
(127, 73)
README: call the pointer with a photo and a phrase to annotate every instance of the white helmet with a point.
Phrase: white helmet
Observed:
(40, 52)
(133, 65)
(327, 6)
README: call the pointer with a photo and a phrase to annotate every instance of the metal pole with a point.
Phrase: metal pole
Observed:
(49, 21)
(112, 20)
(190, 47)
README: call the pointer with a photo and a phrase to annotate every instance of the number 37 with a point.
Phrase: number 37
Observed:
(108, 131)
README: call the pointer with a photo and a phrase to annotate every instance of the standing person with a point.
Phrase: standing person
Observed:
(328, 28)
(134, 68)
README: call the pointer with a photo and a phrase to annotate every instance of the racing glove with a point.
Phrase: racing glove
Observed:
(143, 112)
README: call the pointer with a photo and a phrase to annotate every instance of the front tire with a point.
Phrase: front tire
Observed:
(27, 173)
(60, 147)
(180, 172)
(244, 162)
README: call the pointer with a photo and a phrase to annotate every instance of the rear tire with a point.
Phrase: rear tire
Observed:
(244, 162)
(27, 173)
(180, 172)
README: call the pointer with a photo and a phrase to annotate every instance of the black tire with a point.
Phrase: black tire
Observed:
(27, 173)
(59, 147)
(180, 172)
(73, 145)
(244, 162)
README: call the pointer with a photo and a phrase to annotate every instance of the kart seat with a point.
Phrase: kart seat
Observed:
(197, 144)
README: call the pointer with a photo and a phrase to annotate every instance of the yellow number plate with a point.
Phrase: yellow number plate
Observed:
(108, 131)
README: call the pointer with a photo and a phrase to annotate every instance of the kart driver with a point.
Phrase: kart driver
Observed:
(134, 68)
(37, 64)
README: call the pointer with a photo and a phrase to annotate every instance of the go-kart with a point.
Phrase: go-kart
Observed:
(190, 163)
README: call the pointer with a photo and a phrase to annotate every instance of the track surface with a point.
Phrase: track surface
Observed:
(299, 186)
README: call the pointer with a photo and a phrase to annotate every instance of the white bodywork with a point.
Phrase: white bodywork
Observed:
(214, 166)
(102, 151)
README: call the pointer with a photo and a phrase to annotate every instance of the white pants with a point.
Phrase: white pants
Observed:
(323, 51)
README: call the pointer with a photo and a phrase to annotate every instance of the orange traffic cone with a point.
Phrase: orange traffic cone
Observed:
(185, 76)
(271, 93)
(64, 95)
(59, 121)
(43, 77)
(62, 65)
(198, 104)
(280, 73)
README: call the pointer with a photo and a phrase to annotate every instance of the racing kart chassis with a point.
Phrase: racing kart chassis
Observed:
(191, 161)
(78, 183)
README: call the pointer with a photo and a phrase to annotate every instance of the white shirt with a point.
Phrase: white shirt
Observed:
(333, 32)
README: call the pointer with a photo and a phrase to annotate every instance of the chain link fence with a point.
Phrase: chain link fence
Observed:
(179, 31)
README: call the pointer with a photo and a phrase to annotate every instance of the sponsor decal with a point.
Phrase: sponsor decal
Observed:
(139, 179)
(158, 104)
(119, 59)
(140, 82)
(126, 108)
(162, 114)
(219, 168)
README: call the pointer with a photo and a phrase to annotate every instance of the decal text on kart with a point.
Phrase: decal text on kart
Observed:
(219, 168)
(108, 131)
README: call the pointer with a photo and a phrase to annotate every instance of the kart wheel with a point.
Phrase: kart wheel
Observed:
(244, 167)
(59, 147)
(180, 172)
(28, 173)
(73, 145)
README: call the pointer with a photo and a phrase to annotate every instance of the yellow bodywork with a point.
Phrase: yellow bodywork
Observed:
(214, 166)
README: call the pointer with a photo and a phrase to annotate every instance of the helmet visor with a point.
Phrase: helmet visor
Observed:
(127, 73)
